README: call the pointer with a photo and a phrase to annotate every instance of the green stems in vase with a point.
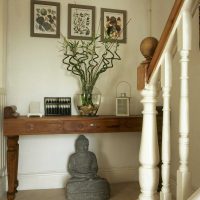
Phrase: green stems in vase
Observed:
(88, 60)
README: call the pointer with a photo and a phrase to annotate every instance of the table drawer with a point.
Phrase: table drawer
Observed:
(44, 127)
(103, 125)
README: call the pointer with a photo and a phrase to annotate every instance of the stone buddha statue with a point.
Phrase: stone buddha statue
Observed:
(84, 183)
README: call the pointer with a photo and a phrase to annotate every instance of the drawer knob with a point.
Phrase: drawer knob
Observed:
(31, 127)
(92, 125)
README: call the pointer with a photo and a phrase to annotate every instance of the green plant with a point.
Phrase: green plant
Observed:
(88, 60)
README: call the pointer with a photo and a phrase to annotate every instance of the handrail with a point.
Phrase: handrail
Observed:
(164, 37)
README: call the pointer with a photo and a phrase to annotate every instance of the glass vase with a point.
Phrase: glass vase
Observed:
(88, 103)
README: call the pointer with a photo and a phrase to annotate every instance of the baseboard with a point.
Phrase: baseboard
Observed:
(42, 180)
(120, 175)
(58, 180)
(2, 187)
(195, 195)
(173, 184)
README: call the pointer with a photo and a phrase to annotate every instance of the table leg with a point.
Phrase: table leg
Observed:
(16, 168)
(12, 165)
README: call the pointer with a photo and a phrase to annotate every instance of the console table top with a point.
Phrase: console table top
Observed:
(23, 125)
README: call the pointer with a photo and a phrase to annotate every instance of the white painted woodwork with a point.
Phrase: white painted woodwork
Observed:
(165, 193)
(183, 23)
(186, 6)
(149, 153)
(184, 46)
(195, 195)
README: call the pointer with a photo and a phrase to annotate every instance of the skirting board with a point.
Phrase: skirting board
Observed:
(173, 185)
(58, 180)
(2, 187)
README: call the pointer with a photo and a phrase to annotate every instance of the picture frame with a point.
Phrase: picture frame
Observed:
(84, 14)
(45, 19)
(114, 24)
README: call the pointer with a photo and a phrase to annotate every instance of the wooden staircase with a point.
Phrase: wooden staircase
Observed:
(177, 32)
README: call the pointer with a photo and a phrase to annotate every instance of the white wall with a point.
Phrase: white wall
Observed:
(3, 32)
(35, 71)
(160, 13)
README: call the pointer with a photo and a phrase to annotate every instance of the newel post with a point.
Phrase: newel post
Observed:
(184, 45)
(149, 150)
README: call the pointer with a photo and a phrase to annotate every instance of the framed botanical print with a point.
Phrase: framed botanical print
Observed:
(113, 25)
(45, 19)
(81, 22)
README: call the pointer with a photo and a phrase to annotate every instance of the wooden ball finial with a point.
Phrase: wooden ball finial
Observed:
(148, 47)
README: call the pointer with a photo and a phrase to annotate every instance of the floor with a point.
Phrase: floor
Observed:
(120, 191)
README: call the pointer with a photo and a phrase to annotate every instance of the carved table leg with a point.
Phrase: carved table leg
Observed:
(12, 165)
(16, 168)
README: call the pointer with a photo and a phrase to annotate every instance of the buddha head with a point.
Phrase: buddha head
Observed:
(82, 144)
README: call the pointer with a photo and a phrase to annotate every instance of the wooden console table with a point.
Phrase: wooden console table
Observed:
(14, 127)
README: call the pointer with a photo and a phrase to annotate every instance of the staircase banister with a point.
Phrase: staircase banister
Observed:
(164, 37)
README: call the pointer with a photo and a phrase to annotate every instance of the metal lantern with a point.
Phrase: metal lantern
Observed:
(123, 94)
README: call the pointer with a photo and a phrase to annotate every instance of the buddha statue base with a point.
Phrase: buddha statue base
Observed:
(94, 189)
